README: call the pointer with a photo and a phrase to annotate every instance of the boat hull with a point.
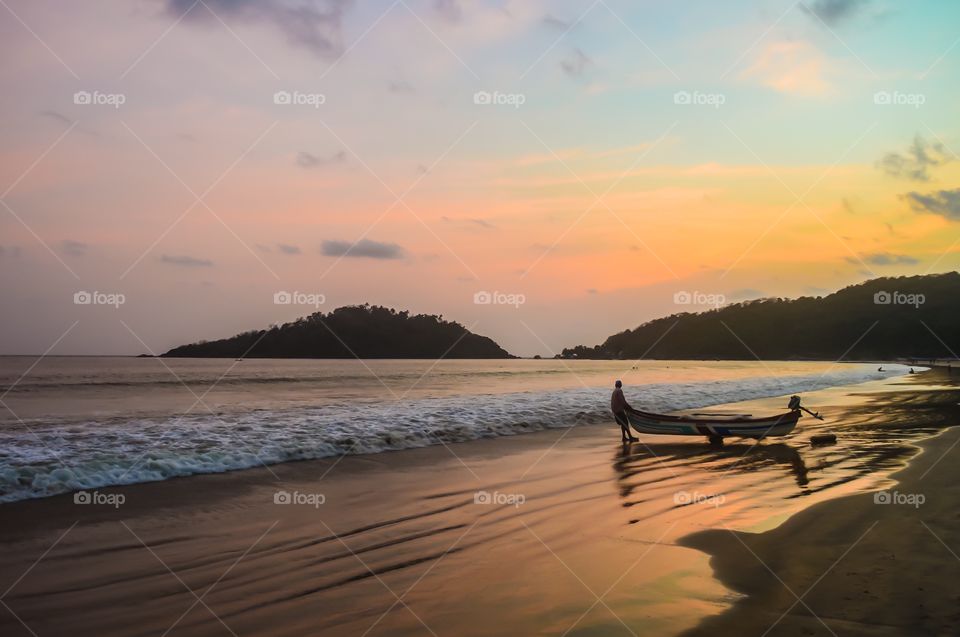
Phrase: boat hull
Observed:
(649, 423)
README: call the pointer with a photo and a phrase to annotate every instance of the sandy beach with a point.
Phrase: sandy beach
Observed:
(552, 533)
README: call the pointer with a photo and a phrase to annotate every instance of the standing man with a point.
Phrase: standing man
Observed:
(620, 407)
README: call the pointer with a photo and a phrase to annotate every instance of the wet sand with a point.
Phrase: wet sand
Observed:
(561, 532)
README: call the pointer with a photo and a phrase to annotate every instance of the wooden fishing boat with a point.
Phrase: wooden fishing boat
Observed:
(718, 426)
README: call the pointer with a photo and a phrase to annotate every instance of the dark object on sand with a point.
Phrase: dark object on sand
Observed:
(823, 439)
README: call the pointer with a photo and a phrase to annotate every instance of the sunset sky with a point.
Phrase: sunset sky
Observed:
(630, 151)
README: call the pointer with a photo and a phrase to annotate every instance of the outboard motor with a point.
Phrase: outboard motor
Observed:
(794, 405)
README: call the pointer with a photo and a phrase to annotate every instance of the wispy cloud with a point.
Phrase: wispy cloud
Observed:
(60, 117)
(449, 10)
(554, 22)
(186, 261)
(576, 64)
(365, 248)
(286, 248)
(746, 294)
(73, 248)
(308, 160)
(795, 67)
(916, 162)
(472, 221)
(943, 202)
(884, 258)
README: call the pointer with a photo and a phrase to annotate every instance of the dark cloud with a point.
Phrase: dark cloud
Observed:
(449, 10)
(73, 248)
(916, 163)
(186, 261)
(576, 63)
(13, 251)
(592, 291)
(832, 12)
(943, 202)
(286, 248)
(364, 248)
(884, 258)
(314, 24)
(306, 160)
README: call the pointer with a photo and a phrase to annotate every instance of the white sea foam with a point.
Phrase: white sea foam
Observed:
(39, 459)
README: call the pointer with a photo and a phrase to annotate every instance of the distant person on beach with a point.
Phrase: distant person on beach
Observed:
(619, 406)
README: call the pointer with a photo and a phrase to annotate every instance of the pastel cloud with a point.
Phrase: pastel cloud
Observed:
(795, 67)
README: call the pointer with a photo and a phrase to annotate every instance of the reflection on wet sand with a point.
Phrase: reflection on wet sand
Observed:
(736, 457)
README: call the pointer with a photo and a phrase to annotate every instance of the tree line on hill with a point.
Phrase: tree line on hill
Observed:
(881, 319)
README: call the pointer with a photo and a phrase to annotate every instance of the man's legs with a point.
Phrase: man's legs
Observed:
(621, 418)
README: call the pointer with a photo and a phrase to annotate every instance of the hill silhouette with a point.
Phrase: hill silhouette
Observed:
(362, 331)
(875, 320)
